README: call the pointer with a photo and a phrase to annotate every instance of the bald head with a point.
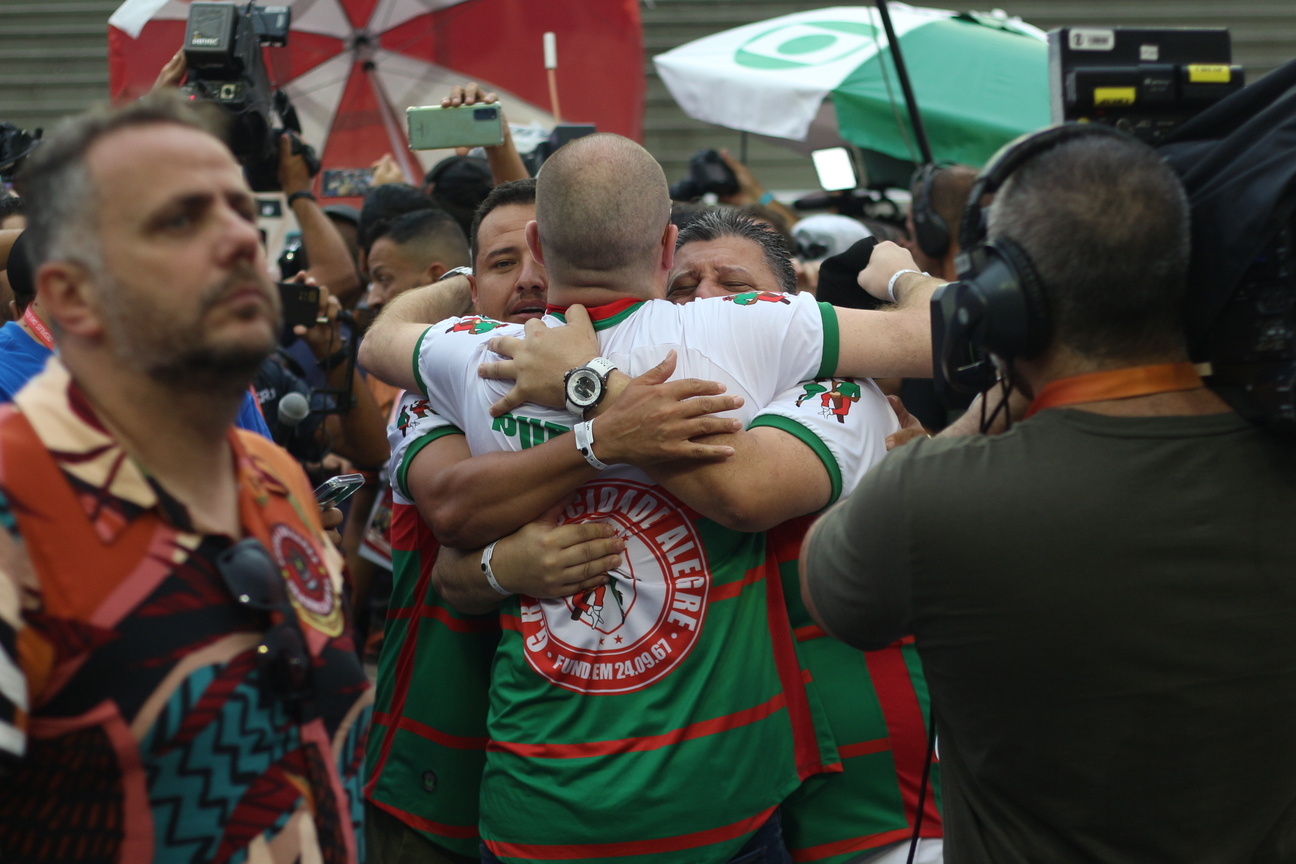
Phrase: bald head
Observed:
(602, 206)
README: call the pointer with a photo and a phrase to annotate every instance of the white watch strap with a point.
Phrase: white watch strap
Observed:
(896, 275)
(585, 443)
(490, 574)
(602, 366)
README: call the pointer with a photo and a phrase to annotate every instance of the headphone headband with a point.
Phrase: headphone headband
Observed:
(1014, 154)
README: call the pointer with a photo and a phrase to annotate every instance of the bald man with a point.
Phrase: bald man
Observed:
(626, 719)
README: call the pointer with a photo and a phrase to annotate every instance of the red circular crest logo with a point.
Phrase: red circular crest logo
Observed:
(636, 629)
(308, 581)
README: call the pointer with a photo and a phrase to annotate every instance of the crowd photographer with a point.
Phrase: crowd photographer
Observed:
(1099, 593)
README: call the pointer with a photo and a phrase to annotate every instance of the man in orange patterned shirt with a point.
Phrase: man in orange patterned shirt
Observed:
(177, 674)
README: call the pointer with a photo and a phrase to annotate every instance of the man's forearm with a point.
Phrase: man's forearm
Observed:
(462, 502)
(458, 578)
(388, 347)
(326, 251)
(895, 343)
(772, 477)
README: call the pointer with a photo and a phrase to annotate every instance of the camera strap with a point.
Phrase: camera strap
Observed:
(37, 326)
(1116, 384)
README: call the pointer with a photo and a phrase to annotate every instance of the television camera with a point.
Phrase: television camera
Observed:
(1171, 89)
(223, 48)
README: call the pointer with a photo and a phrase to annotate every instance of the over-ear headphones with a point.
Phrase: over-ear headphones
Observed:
(930, 230)
(998, 306)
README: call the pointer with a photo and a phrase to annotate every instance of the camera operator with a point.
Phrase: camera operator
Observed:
(1102, 596)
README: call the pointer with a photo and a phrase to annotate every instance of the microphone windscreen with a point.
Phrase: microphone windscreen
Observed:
(293, 408)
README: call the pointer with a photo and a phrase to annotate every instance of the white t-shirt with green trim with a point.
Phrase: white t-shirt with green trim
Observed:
(757, 345)
(414, 426)
(845, 421)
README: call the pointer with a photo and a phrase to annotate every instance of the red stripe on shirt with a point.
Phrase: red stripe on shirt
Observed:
(440, 613)
(864, 748)
(907, 731)
(805, 744)
(841, 847)
(445, 739)
(588, 749)
(811, 631)
(556, 852)
(729, 590)
(411, 528)
(463, 832)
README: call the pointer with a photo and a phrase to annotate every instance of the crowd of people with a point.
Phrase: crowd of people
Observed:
(658, 558)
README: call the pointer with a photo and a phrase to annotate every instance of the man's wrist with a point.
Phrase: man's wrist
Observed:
(301, 195)
(617, 382)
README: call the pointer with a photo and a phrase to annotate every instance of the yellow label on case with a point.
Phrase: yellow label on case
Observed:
(1200, 74)
(1113, 96)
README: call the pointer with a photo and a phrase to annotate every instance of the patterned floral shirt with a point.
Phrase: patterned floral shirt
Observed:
(141, 714)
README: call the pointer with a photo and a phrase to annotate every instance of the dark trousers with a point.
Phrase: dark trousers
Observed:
(764, 847)
(391, 841)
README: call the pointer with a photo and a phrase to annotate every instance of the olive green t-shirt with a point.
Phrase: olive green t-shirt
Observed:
(1105, 608)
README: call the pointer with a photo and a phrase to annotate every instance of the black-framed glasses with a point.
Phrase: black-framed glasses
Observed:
(253, 577)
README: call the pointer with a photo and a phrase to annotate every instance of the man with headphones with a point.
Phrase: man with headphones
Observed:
(940, 192)
(1102, 596)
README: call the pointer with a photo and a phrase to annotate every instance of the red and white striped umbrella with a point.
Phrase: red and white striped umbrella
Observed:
(352, 67)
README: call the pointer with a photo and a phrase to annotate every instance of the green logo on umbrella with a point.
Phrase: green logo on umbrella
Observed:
(797, 46)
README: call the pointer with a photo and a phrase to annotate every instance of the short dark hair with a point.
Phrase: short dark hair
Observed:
(725, 222)
(459, 185)
(384, 203)
(435, 232)
(19, 271)
(512, 192)
(947, 194)
(11, 205)
(1105, 222)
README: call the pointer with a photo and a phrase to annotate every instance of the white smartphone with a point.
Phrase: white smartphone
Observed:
(835, 169)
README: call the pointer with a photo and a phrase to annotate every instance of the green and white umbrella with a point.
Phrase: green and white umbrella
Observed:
(980, 80)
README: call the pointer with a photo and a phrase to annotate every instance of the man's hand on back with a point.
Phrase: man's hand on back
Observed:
(540, 361)
(654, 421)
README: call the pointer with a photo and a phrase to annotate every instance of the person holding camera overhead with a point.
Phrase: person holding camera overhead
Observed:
(1101, 595)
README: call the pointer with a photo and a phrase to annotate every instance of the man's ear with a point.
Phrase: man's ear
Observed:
(669, 236)
(434, 271)
(65, 291)
(472, 288)
(533, 241)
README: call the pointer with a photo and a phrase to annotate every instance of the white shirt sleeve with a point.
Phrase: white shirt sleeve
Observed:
(845, 421)
(414, 426)
(446, 360)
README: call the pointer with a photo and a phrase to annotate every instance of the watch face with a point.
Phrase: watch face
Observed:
(583, 387)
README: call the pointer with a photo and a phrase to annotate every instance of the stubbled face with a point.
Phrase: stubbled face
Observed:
(509, 285)
(184, 295)
(714, 268)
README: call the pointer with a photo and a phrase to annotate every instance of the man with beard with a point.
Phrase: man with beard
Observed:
(177, 674)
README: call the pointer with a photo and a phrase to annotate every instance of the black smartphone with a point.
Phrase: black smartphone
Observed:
(300, 304)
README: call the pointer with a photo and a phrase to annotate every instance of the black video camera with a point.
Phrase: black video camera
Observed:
(1144, 82)
(15, 146)
(223, 50)
(707, 173)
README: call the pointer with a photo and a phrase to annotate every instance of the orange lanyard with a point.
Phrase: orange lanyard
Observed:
(1116, 384)
(38, 327)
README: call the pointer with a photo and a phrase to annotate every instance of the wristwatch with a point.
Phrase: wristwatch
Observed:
(585, 385)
